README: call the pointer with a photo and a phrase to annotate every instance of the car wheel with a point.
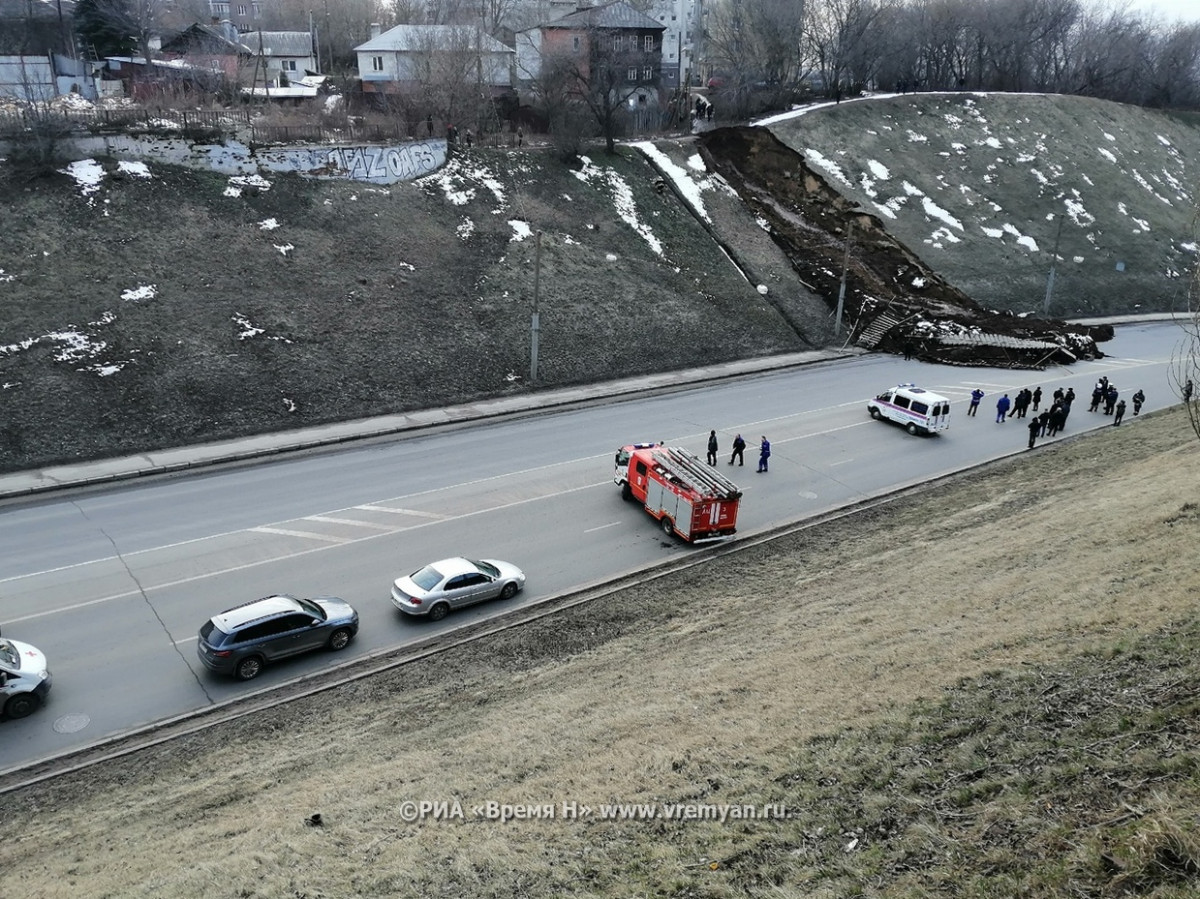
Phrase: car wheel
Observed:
(438, 612)
(667, 526)
(874, 413)
(249, 668)
(912, 428)
(509, 591)
(339, 639)
(22, 705)
(626, 491)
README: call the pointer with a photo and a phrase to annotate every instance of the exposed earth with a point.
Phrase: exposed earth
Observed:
(1021, 719)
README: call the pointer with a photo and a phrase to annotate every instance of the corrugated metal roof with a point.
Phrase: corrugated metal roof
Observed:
(616, 14)
(280, 43)
(415, 38)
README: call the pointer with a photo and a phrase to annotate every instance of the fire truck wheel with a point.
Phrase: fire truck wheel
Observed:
(912, 428)
(438, 612)
(626, 492)
(668, 528)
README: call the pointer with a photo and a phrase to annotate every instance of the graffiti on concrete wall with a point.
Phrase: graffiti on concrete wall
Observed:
(388, 164)
(378, 165)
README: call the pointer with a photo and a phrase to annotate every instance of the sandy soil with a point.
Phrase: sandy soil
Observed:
(692, 689)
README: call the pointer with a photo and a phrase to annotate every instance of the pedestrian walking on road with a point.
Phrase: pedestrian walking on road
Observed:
(1043, 421)
(976, 396)
(712, 447)
(764, 453)
(739, 447)
(1110, 400)
(1035, 425)
(1002, 406)
(1120, 413)
(1138, 399)
(1037, 398)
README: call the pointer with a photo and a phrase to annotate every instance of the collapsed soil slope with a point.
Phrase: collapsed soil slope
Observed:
(1066, 768)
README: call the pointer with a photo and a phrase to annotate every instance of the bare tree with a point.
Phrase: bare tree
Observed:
(141, 20)
(847, 41)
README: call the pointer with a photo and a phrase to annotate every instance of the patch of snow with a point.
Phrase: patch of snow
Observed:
(688, 189)
(521, 230)
(934, 211)
(1107, 155)
(465, 229)
(831, 167)
(916, 138)
(136, 169)
(284, 248)
(992, 232)
(993, 143)
(268, 224)
(695, 162)
(879, 170)
(145, 292)
(622, 197)
(1078, 260)
(5, 278)
(1078, 214)
(610, 257)
(88, 174)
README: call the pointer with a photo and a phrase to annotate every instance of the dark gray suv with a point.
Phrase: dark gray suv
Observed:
(241, 640)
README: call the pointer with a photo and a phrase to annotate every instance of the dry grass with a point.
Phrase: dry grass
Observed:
(809, 673)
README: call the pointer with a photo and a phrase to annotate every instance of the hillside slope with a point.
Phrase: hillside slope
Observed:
(147, 306)
(977, 185)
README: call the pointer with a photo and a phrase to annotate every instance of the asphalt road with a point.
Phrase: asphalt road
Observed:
(114, 584)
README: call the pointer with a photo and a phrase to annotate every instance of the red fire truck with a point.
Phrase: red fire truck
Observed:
(688, 497)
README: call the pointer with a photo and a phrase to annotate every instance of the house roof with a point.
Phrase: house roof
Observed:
(615, 14)
(280, 43)
(413, 38)
(209, 37)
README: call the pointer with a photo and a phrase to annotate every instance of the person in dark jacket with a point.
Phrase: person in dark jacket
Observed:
(739, 447)
(1037, 398)
(1110, 400)
(1138, 399)
(764, 453)
(712, 447)
(1120, 413)
(1035, 426)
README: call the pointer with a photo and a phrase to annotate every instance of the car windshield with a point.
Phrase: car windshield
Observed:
(9, 655)
(487, 568)
(427, 578)
(312, 608)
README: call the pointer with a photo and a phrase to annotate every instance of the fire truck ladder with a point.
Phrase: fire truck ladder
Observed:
(695, 475)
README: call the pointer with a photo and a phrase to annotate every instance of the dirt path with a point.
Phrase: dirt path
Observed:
(694, 689)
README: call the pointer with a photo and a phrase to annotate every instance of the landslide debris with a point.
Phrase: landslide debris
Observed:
(892, 299)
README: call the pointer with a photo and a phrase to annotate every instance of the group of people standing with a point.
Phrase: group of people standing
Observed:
(1050, 421)
(739, 449)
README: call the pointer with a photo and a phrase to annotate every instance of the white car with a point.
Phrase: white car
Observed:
(453, 583)
(24, 678)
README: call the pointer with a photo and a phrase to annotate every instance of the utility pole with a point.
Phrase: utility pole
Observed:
(1053, 263)
(536, 325)
(316, 41)
(837, 322)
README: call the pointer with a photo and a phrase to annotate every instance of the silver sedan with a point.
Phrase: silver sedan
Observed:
(453, 583)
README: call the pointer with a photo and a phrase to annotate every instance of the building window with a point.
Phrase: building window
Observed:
(648, 74)
(631, 75)
(221, 9)
(649, 44)
(257, 7)
(288, 65)
(575, 43)
(243, 10)
(618, 43)
(376, 63)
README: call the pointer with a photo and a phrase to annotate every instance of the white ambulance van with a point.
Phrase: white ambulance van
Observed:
(24, 679)
(917, 409)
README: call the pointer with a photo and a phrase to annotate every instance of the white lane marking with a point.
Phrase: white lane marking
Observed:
(843, 462)
(611, 524)
(416, 512)
(280, 558)
(305, 534)
(187, 639)
(350, 521)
